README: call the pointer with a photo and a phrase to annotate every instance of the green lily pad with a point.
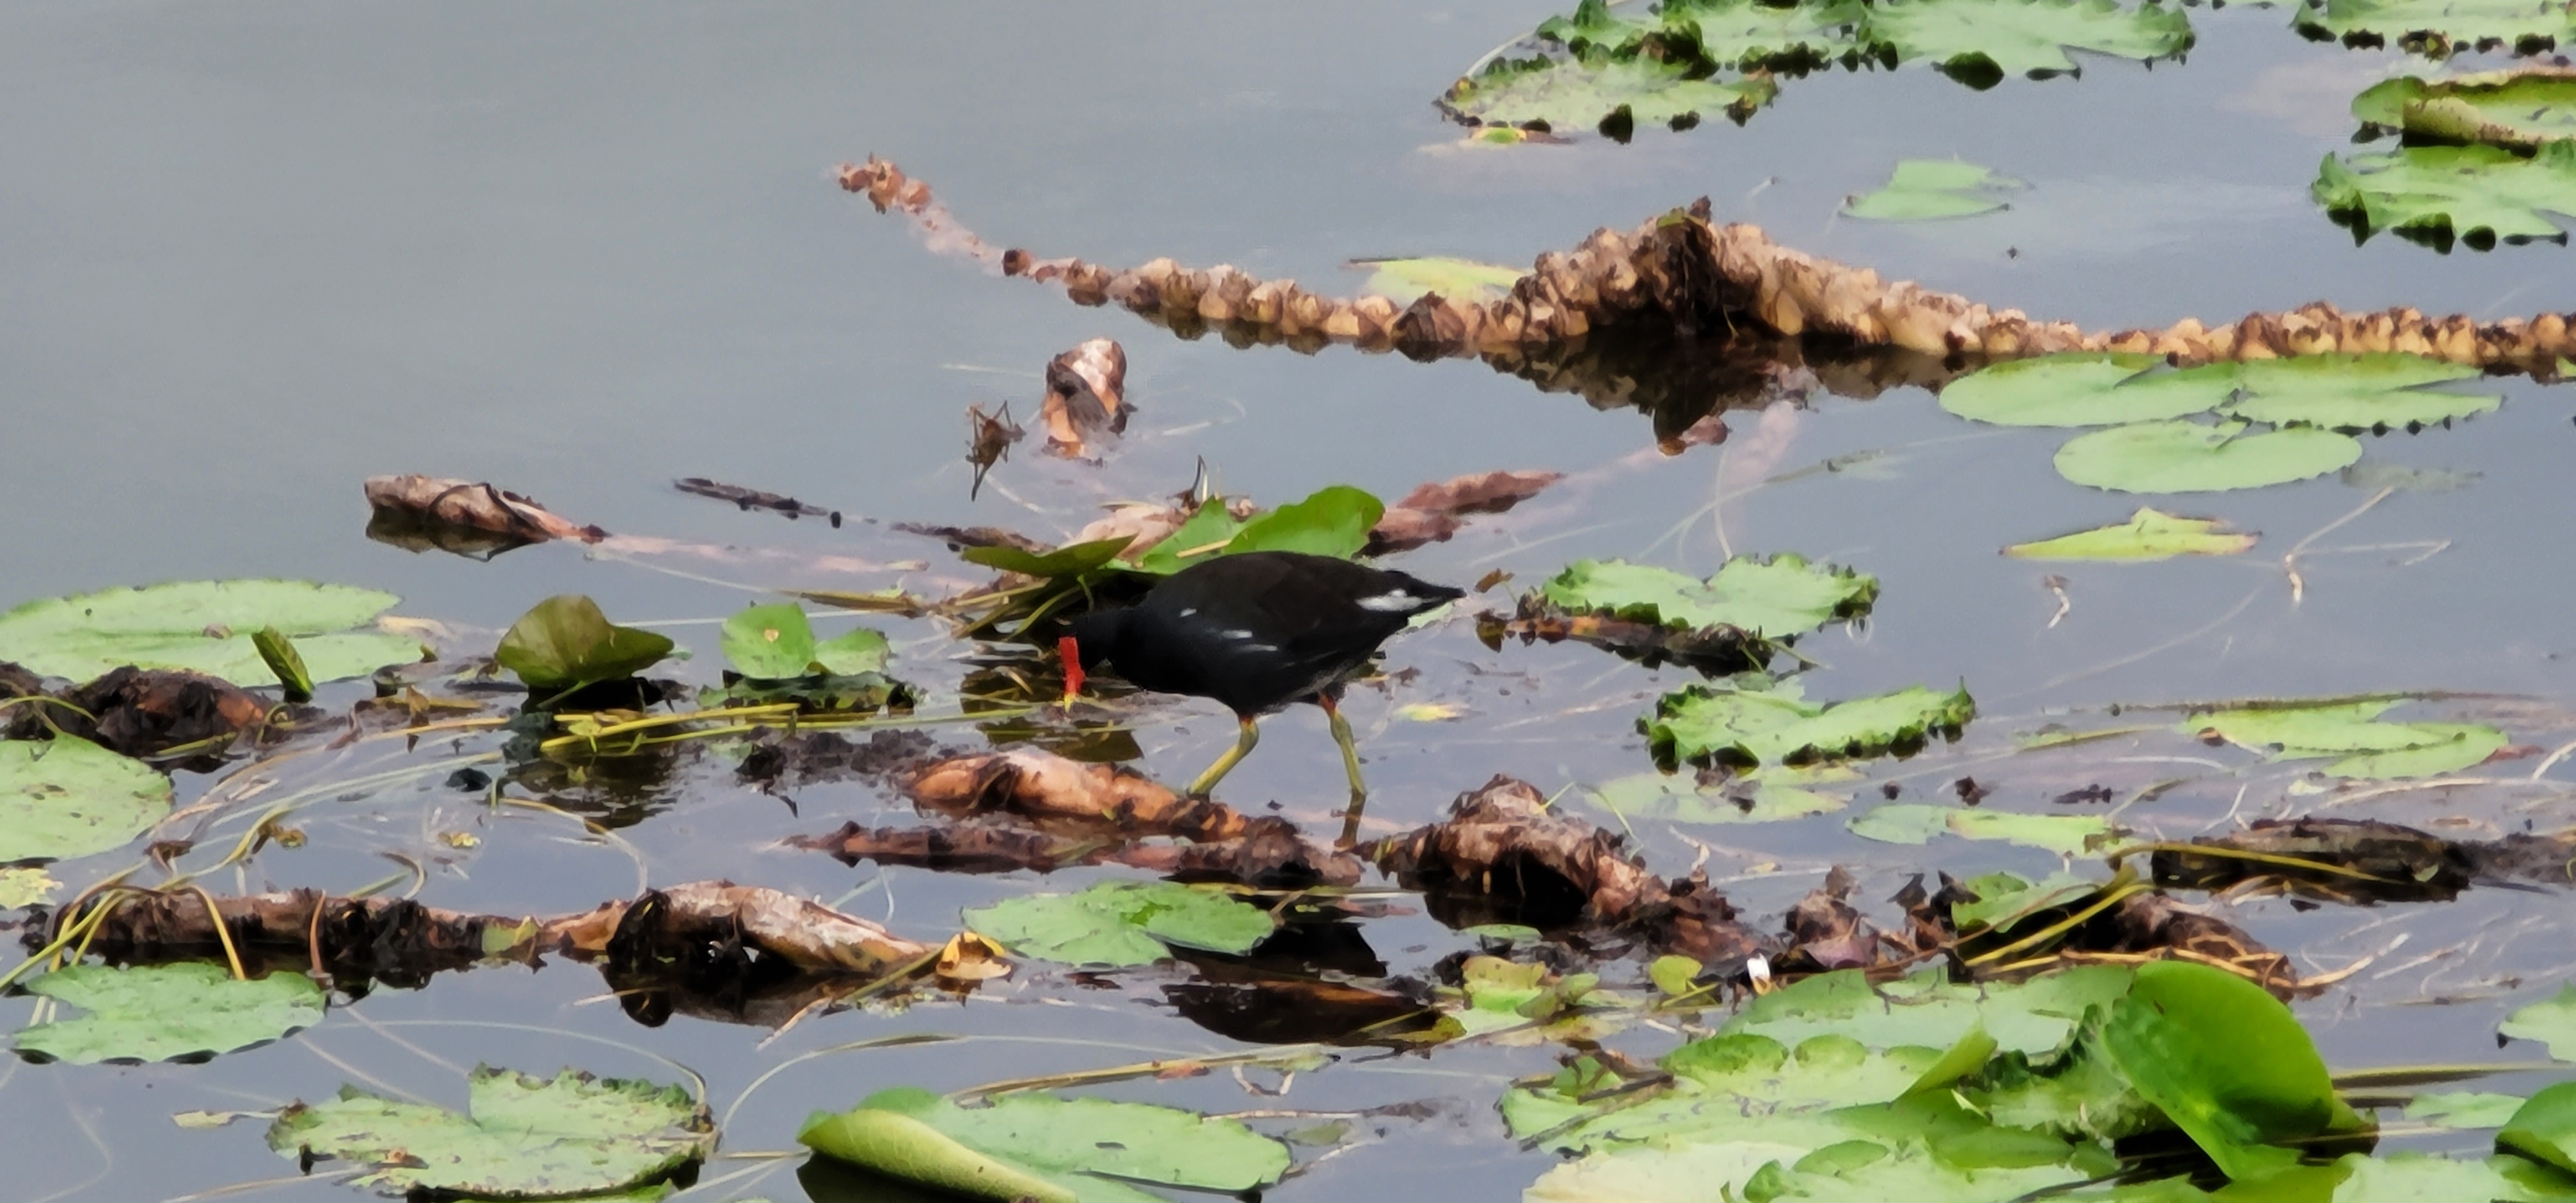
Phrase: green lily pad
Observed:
(2003, 898)
(67, 797)
(2437, 26)
(2187, 457)
(1979, 42)
(1070, 560)
(1916, 823)
(2149, 534)
(2544, 1128)
(2352, 732)
(1610, 94)
(769, 642)
(1719, 1081)
(1928, 189)
(854, 652)
(565, 642)
(2476, 194)
(1705, 723)
(1758, 33)
(2452, 747)
(203, 626)
(1779, 598)
(2519, 110)
(188, 1010)
(1206, 532)
(1120, 923)
(1042, 1147)
(1333, 521)
(1769, 796)
(2078, 388)
(2033, 1017)
(1405, 280)
(522, 1137)
(2552, 1021)
(2228, 1063)
(2464, 1110)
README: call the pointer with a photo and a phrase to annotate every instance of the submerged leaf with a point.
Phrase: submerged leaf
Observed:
(1705, 724)
(2187, 457)
(67, 797)
(1403, 280)
(1119, 923)
(2149, 534)
(565, 642)
(1916, 823)
(522, 1137)
(203, 626)
(185, 1010)
(2352, 731)
(1769, 796)
(1925, 189)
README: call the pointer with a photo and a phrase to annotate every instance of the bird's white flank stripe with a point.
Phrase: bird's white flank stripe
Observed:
(1390, 602)
(1237, 633)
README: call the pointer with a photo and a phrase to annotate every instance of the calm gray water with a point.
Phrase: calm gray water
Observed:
(252, 253)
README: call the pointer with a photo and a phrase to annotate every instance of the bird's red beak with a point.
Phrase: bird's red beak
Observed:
(1071, 653)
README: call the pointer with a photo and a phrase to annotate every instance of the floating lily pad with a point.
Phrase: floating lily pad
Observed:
(522, 1137)
(2228, 1063)
(2352, 732)
(2032, 1017)
(1916, 823)
(1041, 1147)
(2149, 534)
(1720, 1080)
(1979, 42)
(1613, 95)
(67, 797)
(1779, 598)
(2003, 899)
(1404, 280)
(2341, 392)
(1119, 923)
(1332, 521)
(1926, 189)
(1769, 796)
(2544, 1128)
(776, 642)
(1777, 726)
(203, 626)
(188, 1010)
(1073, 559)
(2436, 27)
(2515, 109)
(564, 642)
(2476, 194)
(2552, 1021)
(2080, 388)
(2187, 457)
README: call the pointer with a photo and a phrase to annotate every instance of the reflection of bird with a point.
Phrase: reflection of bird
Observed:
(1255, 631)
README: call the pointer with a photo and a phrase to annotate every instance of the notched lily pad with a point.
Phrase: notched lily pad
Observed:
(2362, 744)
(1916, 823)
(2438, 27)
(1605, 93)
(1121, 923)
(1769, 796)
(1706, 724)
(522, 1137)
(2149, 534)
(204, 626)
(1980, 42)
(185, 1011)
(2517, 109)
(67, 797)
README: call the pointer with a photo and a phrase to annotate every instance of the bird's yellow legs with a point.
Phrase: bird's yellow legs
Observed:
(1225, 764)
(1350, 764)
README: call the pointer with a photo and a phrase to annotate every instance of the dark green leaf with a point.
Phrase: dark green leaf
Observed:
(278, 652)
(1333, 521)
(769, 643)
(2228, 1063)
(1120, 923)
(565, 642)
(1070, 560)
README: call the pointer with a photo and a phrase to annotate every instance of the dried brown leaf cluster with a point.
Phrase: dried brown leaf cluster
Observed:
(1684, 274)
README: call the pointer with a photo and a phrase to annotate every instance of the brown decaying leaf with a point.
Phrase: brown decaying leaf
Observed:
(1042, 786)
(473, 506)
(1684, 274)
(144, 713)
(1086, 397)
(1717, 650)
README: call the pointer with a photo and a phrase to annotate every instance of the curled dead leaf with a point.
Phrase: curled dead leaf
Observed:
(1085, 397)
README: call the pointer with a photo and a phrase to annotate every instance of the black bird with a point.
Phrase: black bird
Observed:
(1256, 631)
